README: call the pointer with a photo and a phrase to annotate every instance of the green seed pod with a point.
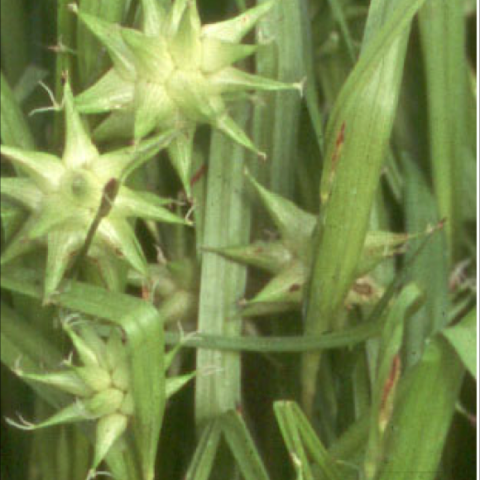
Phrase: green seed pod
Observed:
(121, 376)
(288, 259)
(96, 378)
(81, 195)
(115, 351)
(109, 429)
(174, 73)
(105, 402)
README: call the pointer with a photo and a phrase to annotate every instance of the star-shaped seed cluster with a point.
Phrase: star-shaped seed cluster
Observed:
(100, 385)
(288, 258)
(67, 195)
(174, 73)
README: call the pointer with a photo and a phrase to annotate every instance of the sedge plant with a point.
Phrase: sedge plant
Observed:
(238, 239)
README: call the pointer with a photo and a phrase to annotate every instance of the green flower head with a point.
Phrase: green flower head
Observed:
(174, 73)
(288, 258)
(68, 196)
(100, 384)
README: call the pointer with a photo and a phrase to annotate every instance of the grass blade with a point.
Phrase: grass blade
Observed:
(202, 462)
(359, 129)
(463, 338)
(242, 447)
(303, 443)
(227, 222)
(442, 32)
(425, 404)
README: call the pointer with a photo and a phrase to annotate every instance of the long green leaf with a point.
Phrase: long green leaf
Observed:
(242, 447)
(357, 140)
(425, 405)
(442, 29)
(303, 443)
(202, 462)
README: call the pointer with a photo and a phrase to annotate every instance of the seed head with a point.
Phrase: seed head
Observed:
(68, 199)
(174, 74)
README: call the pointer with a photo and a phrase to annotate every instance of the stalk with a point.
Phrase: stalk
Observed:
(227, 222)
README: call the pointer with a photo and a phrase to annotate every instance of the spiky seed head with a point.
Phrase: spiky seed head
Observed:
(65, 197)
(174, 73)
(101, 386)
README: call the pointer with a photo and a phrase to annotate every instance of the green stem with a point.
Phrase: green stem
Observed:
(227, 222)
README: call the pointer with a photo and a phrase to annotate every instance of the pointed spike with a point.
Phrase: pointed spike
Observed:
(173, 385)
(86, 353)
(175, 15)
(269, 256)
(79, 149)
(22, 190)
(61, 246)
(145, 205)
(283, 293)
(151, 55)
(73, 413)
(43, 168)
(380, 245)
(118, 234)
(227, 125)
(286, 287)
(185, 44)
(216, 55)
(233, 80)
(153, 17)
(89, 333)
(110, 36)
(295, 225)
(235, 29)
(181, 156)
(20, 244)
(66, 381)
(111, 92)
(109, 429)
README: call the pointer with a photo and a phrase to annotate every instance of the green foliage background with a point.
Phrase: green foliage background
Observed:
(400, 78)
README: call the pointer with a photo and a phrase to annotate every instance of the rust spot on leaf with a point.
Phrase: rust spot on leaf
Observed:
(198, 175)
(338, 146)
(294, 287)
(145, 293)
(386, 404)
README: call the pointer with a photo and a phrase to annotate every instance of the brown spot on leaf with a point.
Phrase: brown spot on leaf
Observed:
(338, 146)
(363, 288)
(386, 404)
(294, 287)
(198, 175)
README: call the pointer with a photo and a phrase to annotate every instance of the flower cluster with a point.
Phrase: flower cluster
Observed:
(67, 196)
(288, 258)
(174, 74)
(101, 385)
